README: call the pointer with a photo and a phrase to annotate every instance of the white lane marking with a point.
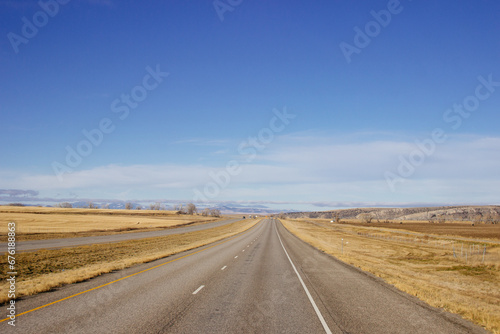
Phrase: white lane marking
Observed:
(223, 268)
(316, 309)
(198, 290)
(236, 257)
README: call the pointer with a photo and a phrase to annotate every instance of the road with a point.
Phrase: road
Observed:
(264, 280)
(22, 246)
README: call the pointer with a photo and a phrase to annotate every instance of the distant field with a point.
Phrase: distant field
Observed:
(459, 275)
(43, 223)
(462, 229)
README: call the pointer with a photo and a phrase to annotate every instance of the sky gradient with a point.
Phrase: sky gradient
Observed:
(312, 105)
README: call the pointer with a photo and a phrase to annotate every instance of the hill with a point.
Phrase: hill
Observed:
(488, 214)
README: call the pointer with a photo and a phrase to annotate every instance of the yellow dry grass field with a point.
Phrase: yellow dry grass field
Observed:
(49, 223)
(47, 269)
(460, 276)
(453, 228)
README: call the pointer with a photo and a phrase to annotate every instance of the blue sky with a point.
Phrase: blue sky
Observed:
(234, 69)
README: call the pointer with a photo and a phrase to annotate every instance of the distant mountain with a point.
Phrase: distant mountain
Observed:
(258, 210)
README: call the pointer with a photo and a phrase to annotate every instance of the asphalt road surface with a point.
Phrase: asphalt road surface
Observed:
(32, 245)
(264, 280)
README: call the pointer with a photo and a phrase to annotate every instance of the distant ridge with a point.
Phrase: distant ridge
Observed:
(486, 213)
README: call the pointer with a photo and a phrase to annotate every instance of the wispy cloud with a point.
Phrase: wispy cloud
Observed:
(310, 169)
(18, 193)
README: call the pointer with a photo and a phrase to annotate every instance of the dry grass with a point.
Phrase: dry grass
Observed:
(454, 228)
(49, 223)
(423, 267)
(47, 269)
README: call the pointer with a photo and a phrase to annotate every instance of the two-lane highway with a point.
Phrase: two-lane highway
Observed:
(264, 280)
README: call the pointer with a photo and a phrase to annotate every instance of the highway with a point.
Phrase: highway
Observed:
(32, 245)
(264, 280)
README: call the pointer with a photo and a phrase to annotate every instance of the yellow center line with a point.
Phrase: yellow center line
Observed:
(137, 273)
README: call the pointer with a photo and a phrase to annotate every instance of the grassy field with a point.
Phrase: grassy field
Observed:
(445, 273)
(47, 269)
(49, 223)
(464, 229)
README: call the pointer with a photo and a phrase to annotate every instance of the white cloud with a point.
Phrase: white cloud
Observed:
(305, 168)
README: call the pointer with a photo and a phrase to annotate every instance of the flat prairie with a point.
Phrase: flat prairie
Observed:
(451, 228)
(49, 223)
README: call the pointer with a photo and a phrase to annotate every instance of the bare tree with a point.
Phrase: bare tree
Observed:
(129, 206)
(105, 206)
(215, 213)
(138, 207)
(91, 205)
(206, 212)
(179, 208)
(65, 205)
(155, 206)
(191, 209)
